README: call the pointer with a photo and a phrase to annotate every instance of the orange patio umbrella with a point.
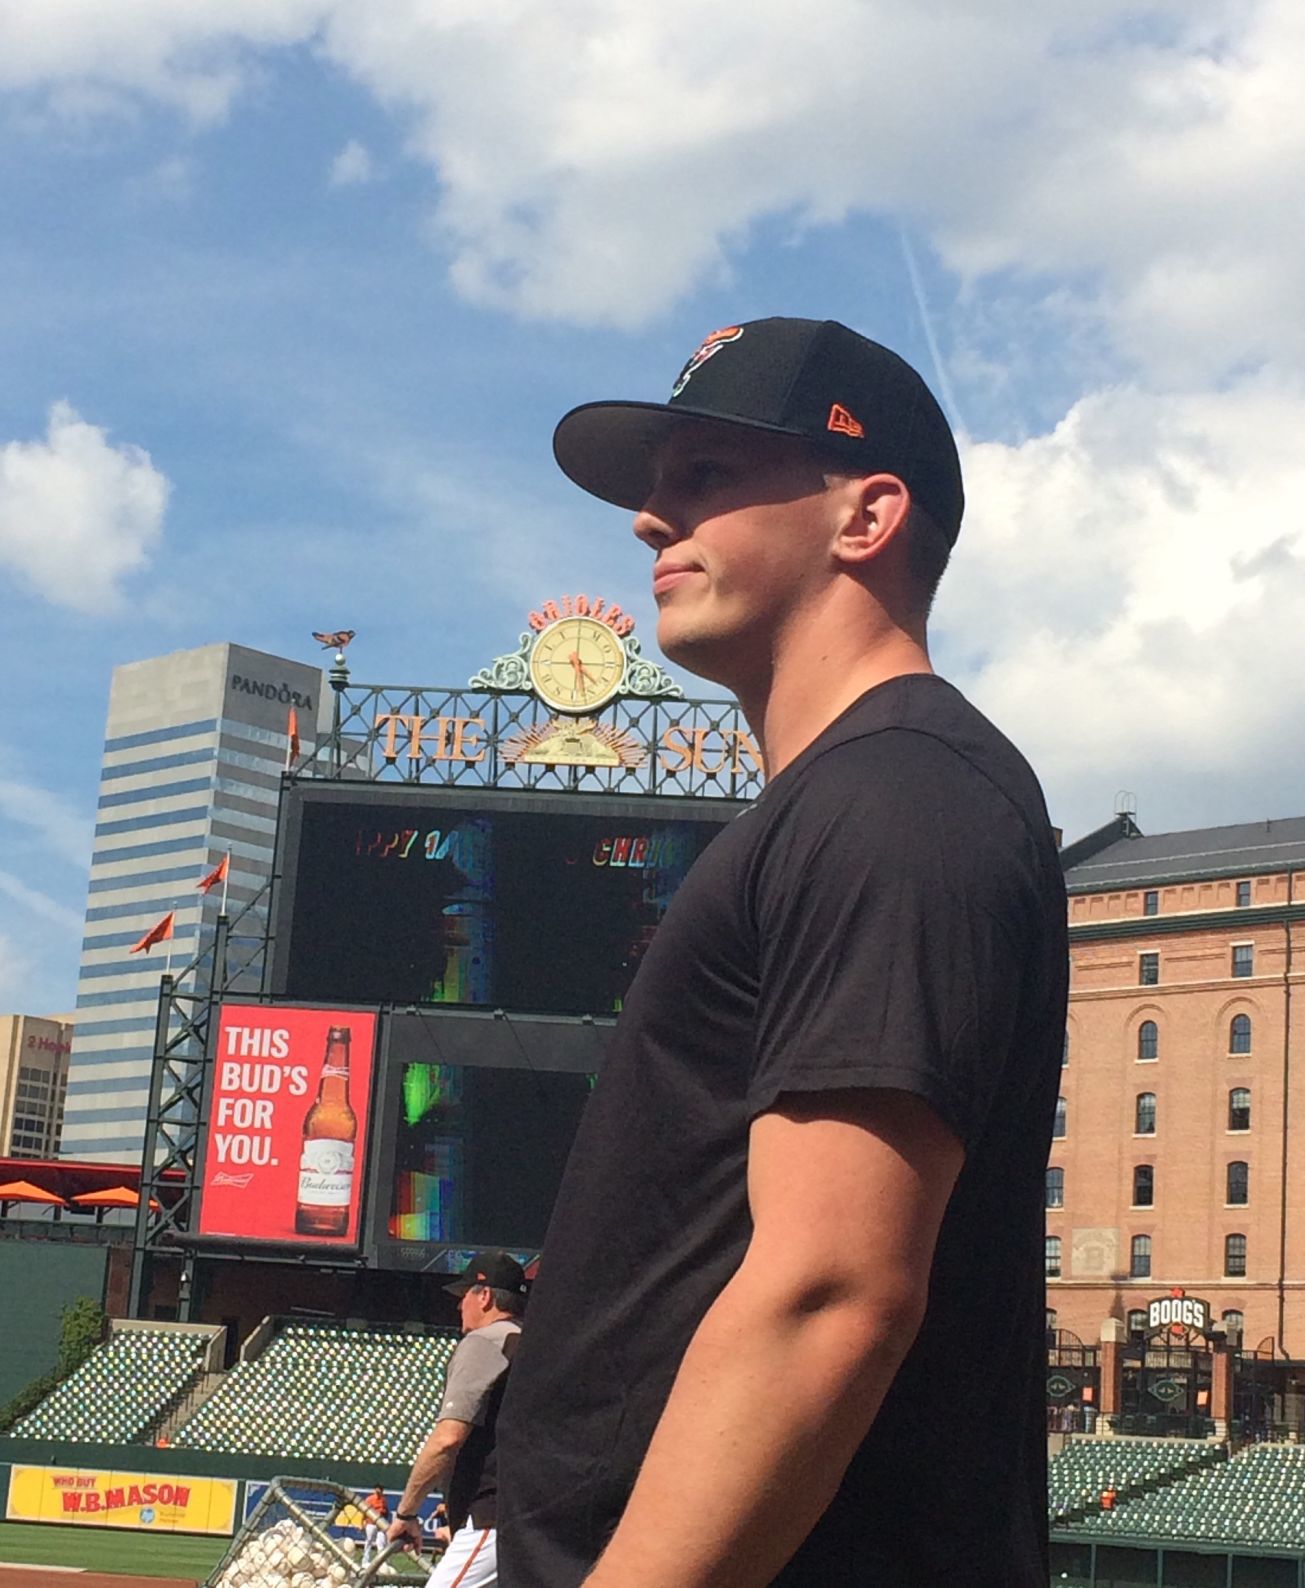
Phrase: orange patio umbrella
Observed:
(25, 1191)
(118, 1196)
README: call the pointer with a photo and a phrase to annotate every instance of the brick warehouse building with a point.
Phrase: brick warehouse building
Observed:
(1179, 1159)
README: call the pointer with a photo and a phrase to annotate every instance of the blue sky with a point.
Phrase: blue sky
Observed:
(292, 293)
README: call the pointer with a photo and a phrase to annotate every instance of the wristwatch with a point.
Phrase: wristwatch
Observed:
(407, 1516)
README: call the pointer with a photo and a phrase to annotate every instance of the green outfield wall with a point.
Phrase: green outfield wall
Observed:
(32, 1295)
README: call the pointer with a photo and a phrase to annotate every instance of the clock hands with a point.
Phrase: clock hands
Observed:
(581, 671)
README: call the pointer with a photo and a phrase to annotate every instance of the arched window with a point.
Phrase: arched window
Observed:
(1064, 1052)
(1143, 1185)
(1239, 1185)
(1058, 1128)
(1055, 1188)
(1053, 1256)
(1234, 1321)
(1239, 1108)
(1234, 1256)
(1148, 1042)
(1239, 1034)
(1137, 1321)
(1144, 1114)
(1139, 1263)
(1051, 1322)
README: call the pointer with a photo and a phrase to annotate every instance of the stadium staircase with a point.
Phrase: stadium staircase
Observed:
(325, 1391)
(1255, 1498)
(125, 1387)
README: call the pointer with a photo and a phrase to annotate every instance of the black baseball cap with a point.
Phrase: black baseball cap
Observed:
(859, 402)
(495, 1269)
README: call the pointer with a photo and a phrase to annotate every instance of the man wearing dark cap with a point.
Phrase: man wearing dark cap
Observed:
(792, 1293)
(459, 1457)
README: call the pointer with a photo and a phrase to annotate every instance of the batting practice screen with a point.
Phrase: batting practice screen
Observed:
(533, 903)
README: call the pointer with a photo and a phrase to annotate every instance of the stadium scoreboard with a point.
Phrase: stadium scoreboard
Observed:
(460, 956)
(541, 904)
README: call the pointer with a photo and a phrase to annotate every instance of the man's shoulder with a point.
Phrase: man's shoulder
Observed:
(914, 738)
(489, 1339)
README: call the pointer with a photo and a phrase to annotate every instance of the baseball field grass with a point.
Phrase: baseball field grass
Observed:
(109, 1550)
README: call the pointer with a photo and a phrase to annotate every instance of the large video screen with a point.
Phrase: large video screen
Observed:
(479, 1153)
(538, 904)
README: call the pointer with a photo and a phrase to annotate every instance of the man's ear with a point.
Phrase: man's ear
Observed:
(876, 509)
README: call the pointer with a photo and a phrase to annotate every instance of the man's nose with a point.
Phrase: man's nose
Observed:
(653, 527)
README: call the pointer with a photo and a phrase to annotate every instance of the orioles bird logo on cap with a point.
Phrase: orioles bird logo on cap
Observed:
(711, 345)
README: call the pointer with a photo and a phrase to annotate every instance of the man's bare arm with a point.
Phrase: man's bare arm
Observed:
(431, 1470)
(787, 1370)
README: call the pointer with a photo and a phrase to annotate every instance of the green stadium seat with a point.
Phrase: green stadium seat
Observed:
(122, 1390)
(328, 1391)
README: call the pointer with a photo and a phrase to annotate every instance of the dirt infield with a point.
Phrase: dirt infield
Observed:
(72, 1577)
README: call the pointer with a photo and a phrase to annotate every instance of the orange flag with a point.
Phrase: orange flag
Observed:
(156, 934)
(218, 874)
(292, 749)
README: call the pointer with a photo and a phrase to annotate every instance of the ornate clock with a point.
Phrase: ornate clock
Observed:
(577, 664)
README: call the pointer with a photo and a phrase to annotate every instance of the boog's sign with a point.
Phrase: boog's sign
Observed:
(1184, 1312)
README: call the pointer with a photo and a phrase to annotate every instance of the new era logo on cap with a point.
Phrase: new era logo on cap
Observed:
(842, 423)
(860, 403)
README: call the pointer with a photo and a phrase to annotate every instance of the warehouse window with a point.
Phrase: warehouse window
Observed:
(1239, 1185)
(1055, 1188)
(1058, 1127)
(1151, 902)
(1148, 1042)
(1137, 1321)
(1053, 1256)
(1239, 1034)
(1148, 969)
(1239, 1108)
(1243, 959)
(1144, 1114)
(1139, 1263)
(1234, 1256)
(1143, 1185)
(1243, 895)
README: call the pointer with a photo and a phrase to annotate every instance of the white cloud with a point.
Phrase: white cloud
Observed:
(77, 514)
(597, 158)
(352, 166)
(170, 181)
(1128, 595)
(593, 167)
(38, 903)
(62, 829)
(191, 56)
(18, 968)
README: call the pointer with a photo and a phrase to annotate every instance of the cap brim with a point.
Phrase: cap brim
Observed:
(610, 448)
(460, 1287)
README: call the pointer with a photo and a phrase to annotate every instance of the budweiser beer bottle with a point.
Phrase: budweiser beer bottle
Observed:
(326, 1164)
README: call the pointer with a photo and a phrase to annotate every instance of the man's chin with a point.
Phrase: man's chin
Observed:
(692, 649)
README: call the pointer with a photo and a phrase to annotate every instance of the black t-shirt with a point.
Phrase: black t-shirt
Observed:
(890, 913)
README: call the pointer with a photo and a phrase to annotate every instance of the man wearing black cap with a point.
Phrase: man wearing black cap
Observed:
(792, 1293)
(459, 1457)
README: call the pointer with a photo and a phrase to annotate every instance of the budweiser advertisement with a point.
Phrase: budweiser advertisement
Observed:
(287, 1124)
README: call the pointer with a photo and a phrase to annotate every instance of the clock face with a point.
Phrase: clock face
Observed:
(577, 664)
